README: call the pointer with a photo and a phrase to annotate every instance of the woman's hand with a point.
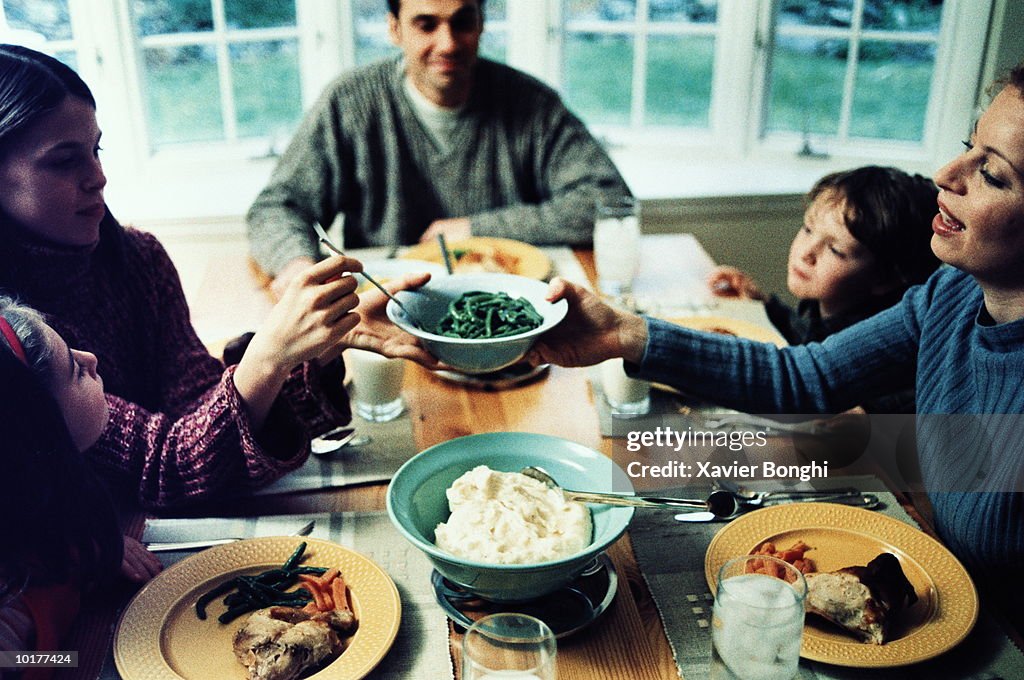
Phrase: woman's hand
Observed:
(309, 322)
(138, 564)
(727, 281)
(376, 332)
(591, 332)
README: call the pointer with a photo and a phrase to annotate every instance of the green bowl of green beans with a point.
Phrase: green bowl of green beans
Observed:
(478, 323)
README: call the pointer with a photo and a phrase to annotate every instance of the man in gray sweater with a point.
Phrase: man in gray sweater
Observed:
(433, 142)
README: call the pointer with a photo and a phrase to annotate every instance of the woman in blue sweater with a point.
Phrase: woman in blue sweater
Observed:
(959, 338)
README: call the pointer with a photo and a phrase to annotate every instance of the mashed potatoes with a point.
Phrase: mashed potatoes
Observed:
(509, 518)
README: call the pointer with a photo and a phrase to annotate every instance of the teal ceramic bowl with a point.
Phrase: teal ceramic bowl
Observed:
(417, 503)
(430, 303)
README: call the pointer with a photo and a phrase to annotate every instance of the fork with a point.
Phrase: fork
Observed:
(322, 235)
(306, 529)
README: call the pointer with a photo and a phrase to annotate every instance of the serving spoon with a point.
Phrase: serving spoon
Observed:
(322, 235)
(720, 503)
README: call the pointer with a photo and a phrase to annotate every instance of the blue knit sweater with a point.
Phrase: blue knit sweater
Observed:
(962, 367)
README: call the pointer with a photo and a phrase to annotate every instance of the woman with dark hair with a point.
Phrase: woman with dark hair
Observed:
(60, 531)
(959, 337)
(182, 427)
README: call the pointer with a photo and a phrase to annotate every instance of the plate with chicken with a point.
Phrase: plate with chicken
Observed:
(478, 254)
(274, 608)
(880, 593)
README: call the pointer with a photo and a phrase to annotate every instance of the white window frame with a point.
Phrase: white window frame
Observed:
(166, 181)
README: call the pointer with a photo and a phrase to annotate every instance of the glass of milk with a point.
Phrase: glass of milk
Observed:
(624, 394)
(617, 244)
(509, 646)
(757, 621)
(376, 385)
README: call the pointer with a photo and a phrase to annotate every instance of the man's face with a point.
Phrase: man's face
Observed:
(440, 39)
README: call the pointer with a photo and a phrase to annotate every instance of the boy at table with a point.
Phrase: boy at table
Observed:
(864, 241)
(436, 141)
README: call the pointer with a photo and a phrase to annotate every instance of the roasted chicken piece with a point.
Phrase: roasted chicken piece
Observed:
(282, 643)
(862, 600)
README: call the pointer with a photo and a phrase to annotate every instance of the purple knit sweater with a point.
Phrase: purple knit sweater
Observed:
(178, 430)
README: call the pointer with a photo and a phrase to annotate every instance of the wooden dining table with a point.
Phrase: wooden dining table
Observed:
(628, 642)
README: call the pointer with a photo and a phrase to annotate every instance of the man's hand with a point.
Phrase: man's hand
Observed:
(591, 332)
(376, 332)
(454, 229)
(288, 272)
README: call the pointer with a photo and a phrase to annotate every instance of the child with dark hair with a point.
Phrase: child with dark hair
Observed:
(864, 241)
(60, 531)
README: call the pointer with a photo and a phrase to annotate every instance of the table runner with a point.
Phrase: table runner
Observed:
(421, 648)
(671, 558)
(391, 444)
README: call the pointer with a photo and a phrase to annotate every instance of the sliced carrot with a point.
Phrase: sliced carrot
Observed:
(329, 576)
(338, 591)
(318, 597)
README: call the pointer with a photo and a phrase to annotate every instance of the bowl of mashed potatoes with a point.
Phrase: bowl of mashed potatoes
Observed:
(496, 533)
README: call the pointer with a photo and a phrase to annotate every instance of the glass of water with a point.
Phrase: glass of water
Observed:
(509, 646)
(617, 244)
(758, 620)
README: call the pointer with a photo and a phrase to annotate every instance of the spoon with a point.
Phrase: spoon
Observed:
(719, 503)
(335, 249)
(330, 442)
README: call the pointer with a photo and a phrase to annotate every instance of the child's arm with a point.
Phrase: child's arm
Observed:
(725, 281)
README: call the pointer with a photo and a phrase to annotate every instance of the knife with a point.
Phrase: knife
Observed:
(158, 546)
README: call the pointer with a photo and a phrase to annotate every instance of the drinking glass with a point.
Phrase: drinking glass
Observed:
(617, 244)
(509, 646)
(624, 394)
(376, 385)
(757, 620)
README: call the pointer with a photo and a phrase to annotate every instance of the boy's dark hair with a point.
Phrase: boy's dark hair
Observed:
(59, 521)
(395, 5)
(890, 212)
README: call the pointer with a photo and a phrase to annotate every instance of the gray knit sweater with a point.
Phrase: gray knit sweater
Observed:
(521, 166)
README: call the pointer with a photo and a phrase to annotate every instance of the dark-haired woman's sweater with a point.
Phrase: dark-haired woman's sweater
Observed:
(969, 373)
(178, 431)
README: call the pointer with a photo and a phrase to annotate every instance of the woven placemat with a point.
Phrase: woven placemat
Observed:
(671, 559)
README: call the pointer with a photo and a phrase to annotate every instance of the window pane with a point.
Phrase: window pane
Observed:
(608, 10)
(265, 77)
(494, 44)
(815, 12)
(903, 15)
(372, 43)
(69, 58)
(496, 10)
(806, 85)
(696, 11)
(154, 17)
(259, 13)
(48, 18)
(679, 80)
(891, 95)
(182, 94)
(598, 76)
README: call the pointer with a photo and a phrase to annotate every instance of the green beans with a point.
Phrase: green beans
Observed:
(269, 588)
(480, 315)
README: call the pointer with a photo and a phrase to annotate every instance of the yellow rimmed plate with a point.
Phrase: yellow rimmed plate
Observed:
(521, 258)
(160, 638)
(729, 326)
(842, 536)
